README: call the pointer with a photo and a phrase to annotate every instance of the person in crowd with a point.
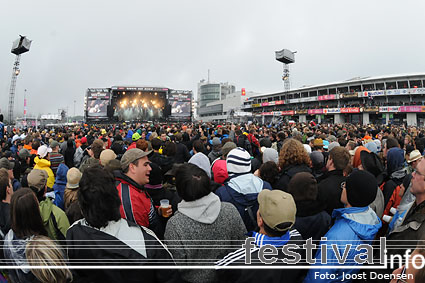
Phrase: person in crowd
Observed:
(219, 167)
(200, 159)
(216, 150)
(54, 219)
(6, 192)
(157, 157)
(106, 156)
(413, 275)
(26, 222)
(136, 204)
(93, 155)
(355, 224)
(42, 251)
(103, 226)
(69, 153)
(79, 152)
(142, 144)
(55, 157)
(292, 159)
(59, 186)
(242, 187)
(182, 154)
(275, 218)
(408, 225)
(268, 172)
(312, 221)
(329, 189)
(9, 165)
(42, 162)
(201, 220)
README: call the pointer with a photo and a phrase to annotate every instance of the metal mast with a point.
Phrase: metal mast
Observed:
(15, 74)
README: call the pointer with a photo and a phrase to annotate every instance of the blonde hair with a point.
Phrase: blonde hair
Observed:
(293, 153)
(41, 251)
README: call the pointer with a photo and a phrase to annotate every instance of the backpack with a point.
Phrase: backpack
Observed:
(78, 156)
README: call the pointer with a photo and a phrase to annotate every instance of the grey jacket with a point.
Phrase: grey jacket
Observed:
(202, 232)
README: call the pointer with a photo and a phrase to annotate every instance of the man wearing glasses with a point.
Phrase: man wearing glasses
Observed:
(407, 226)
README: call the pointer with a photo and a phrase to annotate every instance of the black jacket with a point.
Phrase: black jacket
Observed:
(98, 251)
(311, 220)
(286, 175)
(330, 191)
(182, 154)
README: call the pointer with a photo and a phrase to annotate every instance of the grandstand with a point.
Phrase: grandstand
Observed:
(394, 99)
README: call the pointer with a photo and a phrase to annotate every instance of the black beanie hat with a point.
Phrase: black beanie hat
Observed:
(361, 187)
(155, 176)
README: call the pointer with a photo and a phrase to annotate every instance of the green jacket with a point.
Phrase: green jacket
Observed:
(47, 208)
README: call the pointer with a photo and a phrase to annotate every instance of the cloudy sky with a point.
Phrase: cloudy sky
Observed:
(172, 43)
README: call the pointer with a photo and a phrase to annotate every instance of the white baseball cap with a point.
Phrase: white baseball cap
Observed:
(43, 151)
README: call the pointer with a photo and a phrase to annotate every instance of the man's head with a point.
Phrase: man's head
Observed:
(418, 182)
(136, 165)
(98, 197)
(338, 158)
(8, 165)
(54, 145)
(276, 212)
(6, 188)
(359, 189)
(198, 146)
(156, 144)
(97, 148)
(37, 181)
(414, 158)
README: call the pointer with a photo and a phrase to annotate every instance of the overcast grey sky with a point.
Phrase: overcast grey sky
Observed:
(172, 43)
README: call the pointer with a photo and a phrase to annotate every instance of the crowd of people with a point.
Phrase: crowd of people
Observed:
(183, 196)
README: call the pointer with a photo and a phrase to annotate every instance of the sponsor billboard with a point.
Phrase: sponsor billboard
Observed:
(350, 110)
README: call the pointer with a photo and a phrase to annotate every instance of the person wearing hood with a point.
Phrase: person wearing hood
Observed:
(219, 167)
(216, 150)
(59, 186)
(396, 174)
(242, 187)
(202, 161)
(201, 220)
(42, 162)
(26, 223)
(54, 219)
(355, 224)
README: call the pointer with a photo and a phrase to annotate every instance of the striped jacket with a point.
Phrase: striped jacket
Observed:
(247, 274)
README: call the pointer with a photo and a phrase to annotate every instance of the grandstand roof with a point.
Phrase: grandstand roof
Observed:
(346, 82)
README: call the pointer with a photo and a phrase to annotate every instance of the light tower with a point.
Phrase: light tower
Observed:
(286, 57)
(20, 46)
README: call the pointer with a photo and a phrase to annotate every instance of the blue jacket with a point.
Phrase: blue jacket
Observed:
(353, 225)
(242, 191)
(59, 186)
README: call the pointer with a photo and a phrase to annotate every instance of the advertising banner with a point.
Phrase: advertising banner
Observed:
(279, 102)
(256, 105)
(417, 90)
(302, 111)
(350, 110)
(331, 111)
(410, 108)
(389, 109)
(371, 109)
(289, 112)
(327, 97)
(315, 111)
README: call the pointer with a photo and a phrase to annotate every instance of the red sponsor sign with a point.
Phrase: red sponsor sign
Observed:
(289, 112)
(350, 110)
(327, 97)
(280, 102)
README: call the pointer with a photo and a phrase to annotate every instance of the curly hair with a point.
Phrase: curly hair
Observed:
(293, 153)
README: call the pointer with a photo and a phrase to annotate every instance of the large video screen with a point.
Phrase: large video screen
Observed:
(180, 102)
(97, 107)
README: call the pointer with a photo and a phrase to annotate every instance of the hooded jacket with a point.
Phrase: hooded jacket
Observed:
(202, 161)
(354, 226)
(51, 214)
(242, 191)
(198, 226)
(59, 186)
(287, 173)
(44, 164)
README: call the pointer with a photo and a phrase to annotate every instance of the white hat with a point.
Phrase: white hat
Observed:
(238, 161)
(414, 155)
(15, 138)
(307, 148)
(43, 151)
